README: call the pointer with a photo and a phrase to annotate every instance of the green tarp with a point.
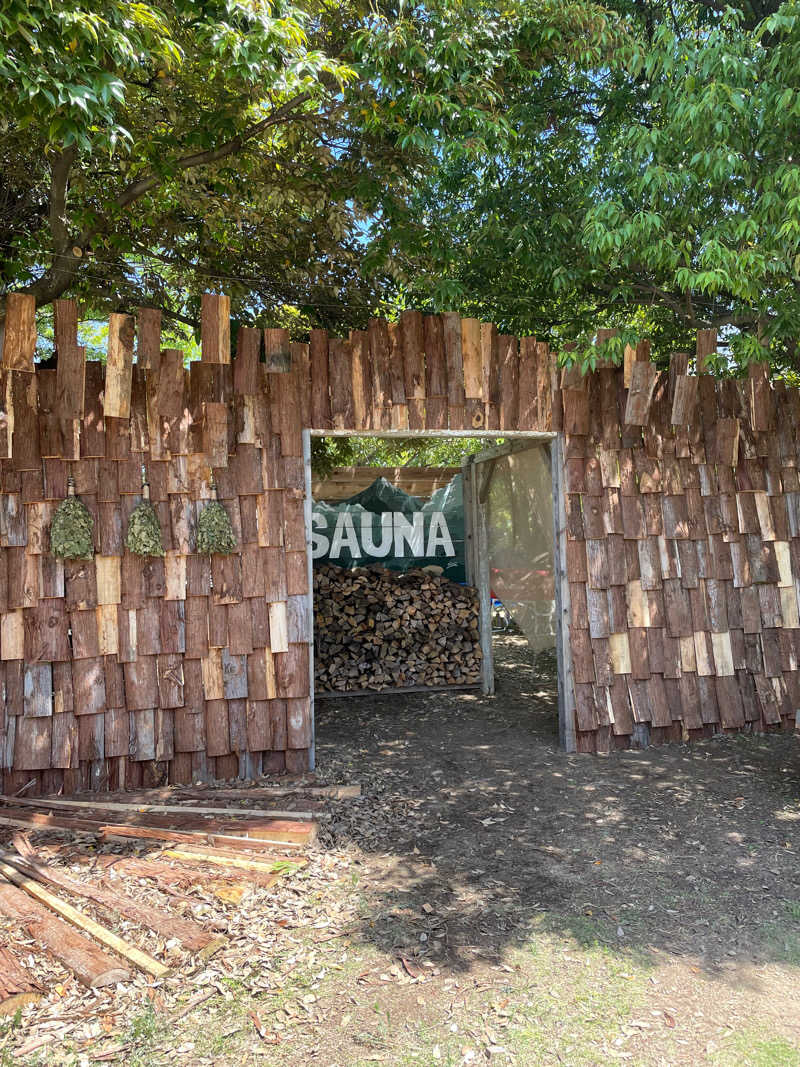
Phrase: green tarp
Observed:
(382, 524)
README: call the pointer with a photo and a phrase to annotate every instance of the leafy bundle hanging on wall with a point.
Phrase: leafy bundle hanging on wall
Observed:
(144, 531)
(72, 530)
(214, 530)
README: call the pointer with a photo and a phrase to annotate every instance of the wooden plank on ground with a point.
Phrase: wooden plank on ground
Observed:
(91, 966)
(191, 934)
(220, 858)
(252, 793)
(106, 937)
(233, 832)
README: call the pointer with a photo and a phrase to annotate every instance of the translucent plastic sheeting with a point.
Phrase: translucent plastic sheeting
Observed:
(519, 518)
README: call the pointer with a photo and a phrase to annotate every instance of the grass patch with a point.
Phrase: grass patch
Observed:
(782, 941)
(576, 996)
(145, 1031)
(753, 1049)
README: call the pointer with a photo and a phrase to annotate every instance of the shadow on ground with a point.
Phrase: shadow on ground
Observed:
(475, 830)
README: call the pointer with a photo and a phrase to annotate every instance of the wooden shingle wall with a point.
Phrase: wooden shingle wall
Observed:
(127, 672)
(683, 553)
(682, 539)
(682, 504)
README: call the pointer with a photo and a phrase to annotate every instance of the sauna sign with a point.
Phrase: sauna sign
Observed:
(385, 525)
(397, 536)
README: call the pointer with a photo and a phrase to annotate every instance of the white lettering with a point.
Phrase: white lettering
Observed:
(439, 535)
(413, 533)
(385, 545)
(319, 542)
(344, 536)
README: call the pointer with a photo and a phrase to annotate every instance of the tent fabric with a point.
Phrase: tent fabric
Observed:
(519, 521)
(385, 525)
(382, 496)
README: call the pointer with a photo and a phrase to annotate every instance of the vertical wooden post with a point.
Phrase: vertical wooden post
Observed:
(308, 511)
(482, 574)
(566, 691)
(469, 561)
(478, 564)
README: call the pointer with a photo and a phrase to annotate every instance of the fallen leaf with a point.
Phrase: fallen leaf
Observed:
(229, 894)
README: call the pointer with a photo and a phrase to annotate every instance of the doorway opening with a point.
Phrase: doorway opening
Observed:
(414, 572)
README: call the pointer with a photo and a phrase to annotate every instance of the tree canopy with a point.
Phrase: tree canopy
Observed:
(154, 150)
(551, 166)
(656, 192)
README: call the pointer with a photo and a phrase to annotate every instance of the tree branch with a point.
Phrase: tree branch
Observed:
(61, 167)
(137, 189)
(58, 278)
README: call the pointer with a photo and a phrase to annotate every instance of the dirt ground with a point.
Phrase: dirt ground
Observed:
(489, 899)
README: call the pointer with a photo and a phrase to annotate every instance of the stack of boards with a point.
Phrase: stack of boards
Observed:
(198, 838)
(380, 629)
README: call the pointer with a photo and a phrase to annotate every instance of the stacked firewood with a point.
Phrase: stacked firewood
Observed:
(380, 629)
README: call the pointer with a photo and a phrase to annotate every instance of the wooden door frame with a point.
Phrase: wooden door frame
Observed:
(519, 441)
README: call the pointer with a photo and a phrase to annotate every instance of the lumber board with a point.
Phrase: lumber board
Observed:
(148, 339)
(119, 367)
(320, 397)
(215, 330)
(19, 334)
(644, 377)
(222, 859)
(66, 911)
(246, 369)
(340, 378)
(171, 876)
(362, 384)
(24, 818)
(249, 823)
(191, 934)
(91, 966)
(277, 351)
(65, 326)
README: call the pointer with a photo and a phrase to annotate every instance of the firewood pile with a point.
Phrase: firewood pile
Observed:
(380, 629)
